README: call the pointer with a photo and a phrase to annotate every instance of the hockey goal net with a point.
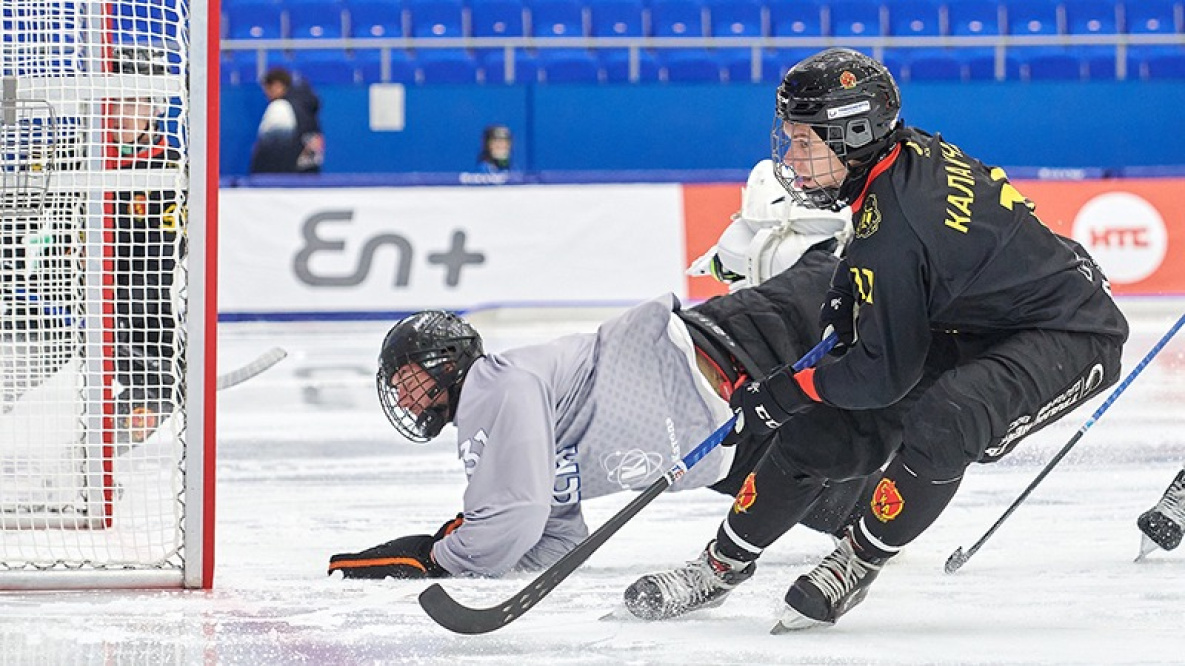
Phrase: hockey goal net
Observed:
(108, 185)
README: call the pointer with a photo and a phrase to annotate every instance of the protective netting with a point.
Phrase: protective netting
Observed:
(93, 182)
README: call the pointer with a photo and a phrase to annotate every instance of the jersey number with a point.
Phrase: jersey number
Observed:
(862, 279)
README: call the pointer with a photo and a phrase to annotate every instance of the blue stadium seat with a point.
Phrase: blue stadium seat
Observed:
(1164, 63)
(795, 18)
(980, 64)
(446, 66)
(369, 63)
(374, 18)
(496, 18)
(1148, 17)
(1091, 17)
(323, 66)
(677, 18)
(690, 66)
(1032, 17)
(894, 60)
(738, 64)
(557, 18)
(616, 18)
(784, 59)
(314, 20)
(616, 66)
(1049, 65)
(973, 18)
(914, 18)
(735, 18)
(934, 65)
(526, 66)
(255, 20)
(436, 18)
(147, 23)
(1098, 61)
(242, 67)
(855, 18)
(568, 67)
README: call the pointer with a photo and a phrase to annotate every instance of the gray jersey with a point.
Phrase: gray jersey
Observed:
(541, 428)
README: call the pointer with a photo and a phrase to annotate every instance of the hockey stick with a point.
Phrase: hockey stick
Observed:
(445, 610)
(242, 374)
(958, 558)
(227, 379)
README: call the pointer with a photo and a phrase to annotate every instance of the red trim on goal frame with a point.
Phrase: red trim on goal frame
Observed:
(213, 79)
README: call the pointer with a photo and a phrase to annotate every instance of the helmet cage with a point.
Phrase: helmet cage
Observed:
(442, 347)
(822, 198)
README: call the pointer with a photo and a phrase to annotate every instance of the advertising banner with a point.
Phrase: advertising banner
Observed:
(1134, 228)
(353, 251)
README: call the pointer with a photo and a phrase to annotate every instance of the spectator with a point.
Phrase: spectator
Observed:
(290, 139)
(496, 144)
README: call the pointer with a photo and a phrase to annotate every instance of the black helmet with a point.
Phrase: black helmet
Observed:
(444, 346)
(851, 102)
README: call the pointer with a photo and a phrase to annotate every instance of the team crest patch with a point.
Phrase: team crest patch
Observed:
(847, 79)
(140, 206)
(870, 218)
(746, 496)
(887, 502)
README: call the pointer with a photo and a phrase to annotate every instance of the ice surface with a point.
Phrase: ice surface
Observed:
(309, 467)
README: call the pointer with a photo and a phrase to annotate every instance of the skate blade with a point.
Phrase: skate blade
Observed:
(620, 614)
(792, 620)
(1146, 546)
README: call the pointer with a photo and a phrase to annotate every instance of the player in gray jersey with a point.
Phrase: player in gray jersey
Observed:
(544, 427)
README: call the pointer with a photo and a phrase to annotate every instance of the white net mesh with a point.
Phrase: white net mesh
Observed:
(94, 111)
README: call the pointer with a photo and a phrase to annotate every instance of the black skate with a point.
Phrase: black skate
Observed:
(831, 589)
(701, 583)
(1164, 523)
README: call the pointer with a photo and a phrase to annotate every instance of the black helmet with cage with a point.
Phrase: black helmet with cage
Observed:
(852, 103)
(438, 348)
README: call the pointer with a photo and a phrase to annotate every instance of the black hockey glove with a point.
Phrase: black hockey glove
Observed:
(838, 315)
(405, 557)
(764, 406)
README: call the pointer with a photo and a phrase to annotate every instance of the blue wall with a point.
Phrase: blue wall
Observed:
(620, 128)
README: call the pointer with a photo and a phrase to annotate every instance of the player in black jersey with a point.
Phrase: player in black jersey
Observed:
(962, 319)
(150, 240)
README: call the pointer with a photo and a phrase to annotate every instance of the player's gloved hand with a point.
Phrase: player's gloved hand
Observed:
(838, 315)
(764, 406)
(405, 557)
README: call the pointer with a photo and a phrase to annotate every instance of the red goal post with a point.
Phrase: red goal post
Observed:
(108, 239)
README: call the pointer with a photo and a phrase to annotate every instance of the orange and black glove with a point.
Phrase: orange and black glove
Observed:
(405, 557)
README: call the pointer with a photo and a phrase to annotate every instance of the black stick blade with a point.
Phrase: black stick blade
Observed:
(451, 615)
(956, 560)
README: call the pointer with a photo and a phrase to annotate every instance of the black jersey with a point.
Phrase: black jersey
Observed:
(148, 223)
(946, 243)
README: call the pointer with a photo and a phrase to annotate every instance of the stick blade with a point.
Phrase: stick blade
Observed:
(956, 560)
(446, 612)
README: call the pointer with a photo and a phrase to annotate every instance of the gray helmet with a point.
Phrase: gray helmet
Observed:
(444, 346)
(850, 101)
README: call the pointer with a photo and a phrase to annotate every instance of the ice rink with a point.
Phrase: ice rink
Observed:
(308, 467)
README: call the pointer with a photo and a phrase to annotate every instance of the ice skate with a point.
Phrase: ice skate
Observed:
(701, 583)
(1163, 524)
(831, 589)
